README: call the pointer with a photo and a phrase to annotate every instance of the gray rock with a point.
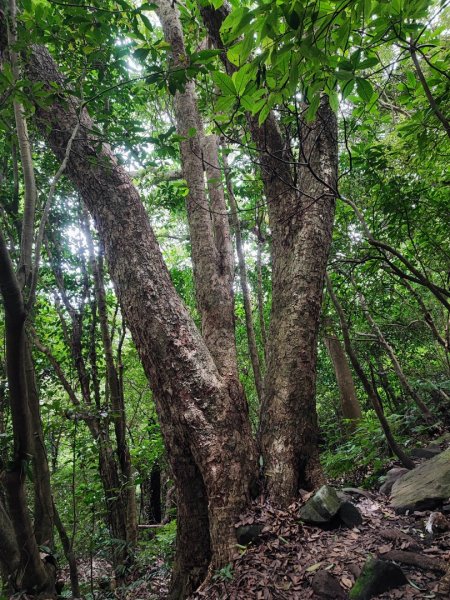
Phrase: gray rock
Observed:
(391, 477)
(377, 577)
(322, 507)
(424, 487)
(427, 453)
(350, 515)
(327, 586)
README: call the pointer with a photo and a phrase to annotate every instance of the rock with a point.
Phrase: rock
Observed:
(246, 534)
(327, 586)
(425, 487)
(377, 577)
(391, 477)
(426, 453)
(350, 515)
(442, 439)
(322, 507)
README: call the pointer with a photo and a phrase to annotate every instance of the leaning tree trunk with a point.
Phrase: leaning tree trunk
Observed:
(301, 222)
(204, 421)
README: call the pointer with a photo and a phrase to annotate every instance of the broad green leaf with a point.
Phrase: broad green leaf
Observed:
(224, 83)
(364, 88)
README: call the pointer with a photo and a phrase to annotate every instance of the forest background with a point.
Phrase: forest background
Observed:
(266, 143)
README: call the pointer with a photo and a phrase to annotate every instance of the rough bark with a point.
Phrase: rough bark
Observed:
(301, 226)
(301, 223)
(396, 449)
(204, 422)
(212, 254)
(351, 408)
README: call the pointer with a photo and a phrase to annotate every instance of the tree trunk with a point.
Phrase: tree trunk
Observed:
(68, 553)
(251, 338)
(127, 486)
(396, 449)
(31, 576)
(212, 253)
(301, 235)
(301, 223)
(204, 421)
(351, 409)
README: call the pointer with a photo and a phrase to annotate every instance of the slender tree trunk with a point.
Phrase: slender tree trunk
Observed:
(32, 575)
(301, 222)
(204, 420)
(25, 267)
(260, 294)
(68, 553)
(212, 253)
(251, 338)
(43, 506)
(397, 367)
(351, 408)
(396, 449)
(128, 488)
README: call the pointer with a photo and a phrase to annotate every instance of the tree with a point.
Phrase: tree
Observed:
(204, 423)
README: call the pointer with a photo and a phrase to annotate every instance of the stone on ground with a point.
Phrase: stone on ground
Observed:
(322, 507)
(377, 577)
(327, 586)
(350, 515)
(247, 534)
(391, 477)
(425, 487)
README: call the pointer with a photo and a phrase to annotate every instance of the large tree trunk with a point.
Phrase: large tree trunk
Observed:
(204, 421)
(301, 226)
(301, 223)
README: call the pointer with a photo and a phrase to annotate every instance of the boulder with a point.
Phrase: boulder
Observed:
(425, 487)
(377, 577)
(391, 477)
(322, 507)
(327, 586)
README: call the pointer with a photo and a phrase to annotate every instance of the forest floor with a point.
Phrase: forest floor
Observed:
(287, 555)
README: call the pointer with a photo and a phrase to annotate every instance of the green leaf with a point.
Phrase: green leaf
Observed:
(224, 83)
(239, 53)
(264, 113)
(312, 108)
(241, 78)
(364, 89)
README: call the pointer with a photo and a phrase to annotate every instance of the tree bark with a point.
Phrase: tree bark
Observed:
(204, 421)
(396, 449)
(31, 576)
(301, 223)
(351, 409)
(212, 254)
